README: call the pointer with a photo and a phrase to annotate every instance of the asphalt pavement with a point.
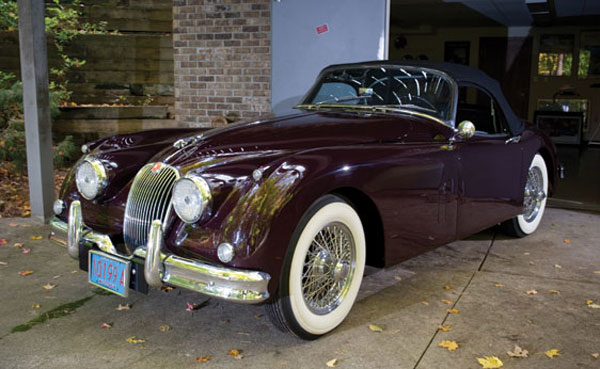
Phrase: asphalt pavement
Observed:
(490, 292)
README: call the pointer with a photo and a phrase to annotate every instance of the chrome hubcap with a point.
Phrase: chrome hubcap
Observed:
(328, 268)
(534, 194)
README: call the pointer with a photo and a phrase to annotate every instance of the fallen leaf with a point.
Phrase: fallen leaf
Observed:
(558, 266)
(56, 277)
(13, 224)
(445, 328)
(35, 306)
(567, 240)
(166, 288)
(499, 285)
(447, 287)
(48, 286)
(164, 328)
(453, 311)
(106, 325)
(258, 316)
(596, 272)
(18, 245)
(123, 307)
(555, 292)
(203, 359)
(36, 237)
(531, 292)
(552, 353)
(447, 302)
(237, 354)
(134, 339)
(589, 302)
(594, 306)
(25, 273)
(532, 263)
(490, 362)
(331, 363)
(25, 250)
(3, 263)
(74, 271)
(596, 355)
(398, 278)
(526, 253)
(450, 345)
(190, 306)
(3, 241)
(25, 214)
(425, 303)
(518, 352)
(375, 328)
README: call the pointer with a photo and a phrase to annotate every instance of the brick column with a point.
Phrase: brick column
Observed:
(222, 53)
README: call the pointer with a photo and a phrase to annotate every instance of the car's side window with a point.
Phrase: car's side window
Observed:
(480, 108)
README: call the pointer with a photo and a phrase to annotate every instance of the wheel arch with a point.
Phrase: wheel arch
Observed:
(371, 220)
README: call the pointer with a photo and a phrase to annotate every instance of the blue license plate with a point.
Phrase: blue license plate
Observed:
(109, 272)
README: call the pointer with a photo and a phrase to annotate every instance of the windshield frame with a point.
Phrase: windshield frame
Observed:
(304, 104)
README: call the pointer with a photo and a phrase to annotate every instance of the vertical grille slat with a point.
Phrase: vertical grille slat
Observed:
(149, 199)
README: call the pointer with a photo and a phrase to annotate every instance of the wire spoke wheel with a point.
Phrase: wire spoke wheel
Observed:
(328, 268)
(534, 194)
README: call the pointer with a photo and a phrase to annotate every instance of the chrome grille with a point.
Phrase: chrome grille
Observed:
(148, 199)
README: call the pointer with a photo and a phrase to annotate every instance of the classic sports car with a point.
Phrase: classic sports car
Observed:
(382, 162)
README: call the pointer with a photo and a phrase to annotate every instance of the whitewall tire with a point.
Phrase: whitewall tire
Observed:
(534, 203)
(323, 270)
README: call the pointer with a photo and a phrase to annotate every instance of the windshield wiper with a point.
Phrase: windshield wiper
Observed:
(343, 99)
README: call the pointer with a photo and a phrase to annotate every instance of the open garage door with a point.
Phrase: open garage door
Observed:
(311, 34)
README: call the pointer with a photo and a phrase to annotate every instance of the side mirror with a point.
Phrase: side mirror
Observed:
(466, 129)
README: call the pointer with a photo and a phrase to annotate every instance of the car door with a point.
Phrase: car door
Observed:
(490, 165)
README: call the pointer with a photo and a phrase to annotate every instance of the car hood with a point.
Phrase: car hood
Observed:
(296, 132)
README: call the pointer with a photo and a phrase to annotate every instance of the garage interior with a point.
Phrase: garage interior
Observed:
(546, 55)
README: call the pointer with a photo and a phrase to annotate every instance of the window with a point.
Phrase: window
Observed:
(589, 55)
(480, 108)
(556, 55)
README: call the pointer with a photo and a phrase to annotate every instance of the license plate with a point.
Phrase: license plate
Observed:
(109, 272)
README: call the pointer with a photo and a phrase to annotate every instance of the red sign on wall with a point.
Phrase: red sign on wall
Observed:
(322, 28)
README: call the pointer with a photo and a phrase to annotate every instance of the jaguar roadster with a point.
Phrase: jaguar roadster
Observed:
(381, 162)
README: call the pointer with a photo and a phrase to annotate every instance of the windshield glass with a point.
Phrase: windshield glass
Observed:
(410, 89)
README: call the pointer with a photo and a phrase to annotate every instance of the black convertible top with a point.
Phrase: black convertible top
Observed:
(462, 74)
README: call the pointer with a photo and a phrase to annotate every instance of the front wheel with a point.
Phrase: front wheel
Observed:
(534, 202)
(322, 271)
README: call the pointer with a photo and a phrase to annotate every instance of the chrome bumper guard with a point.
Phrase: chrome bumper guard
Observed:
(243, 286)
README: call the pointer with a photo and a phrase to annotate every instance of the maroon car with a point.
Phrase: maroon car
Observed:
(382, 161)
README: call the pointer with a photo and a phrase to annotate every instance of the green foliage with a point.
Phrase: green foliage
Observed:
(11, 96)
(63, 24)
(12, 145)
(66, 153)
(9, 19)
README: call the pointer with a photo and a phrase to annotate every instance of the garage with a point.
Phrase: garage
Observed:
(318, 184)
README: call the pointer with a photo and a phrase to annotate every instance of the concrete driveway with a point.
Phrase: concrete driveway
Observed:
(487, 278)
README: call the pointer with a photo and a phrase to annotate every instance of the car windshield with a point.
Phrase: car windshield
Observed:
(391, 88)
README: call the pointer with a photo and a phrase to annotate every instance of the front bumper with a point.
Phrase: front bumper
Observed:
(163, 268)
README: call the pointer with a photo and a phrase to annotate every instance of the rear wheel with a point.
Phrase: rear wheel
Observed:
(534, 202)
(322, 271)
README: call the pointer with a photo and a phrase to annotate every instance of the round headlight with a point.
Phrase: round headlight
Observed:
(90, 178)
(191, 198)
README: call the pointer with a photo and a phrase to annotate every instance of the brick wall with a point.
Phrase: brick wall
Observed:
(222, 53)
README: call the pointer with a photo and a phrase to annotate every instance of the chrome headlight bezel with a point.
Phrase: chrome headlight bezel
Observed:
(201, 189)
(101, 177)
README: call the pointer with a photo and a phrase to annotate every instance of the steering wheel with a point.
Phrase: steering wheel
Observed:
(420, 99)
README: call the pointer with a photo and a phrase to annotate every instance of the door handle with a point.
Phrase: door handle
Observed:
(515, 139)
